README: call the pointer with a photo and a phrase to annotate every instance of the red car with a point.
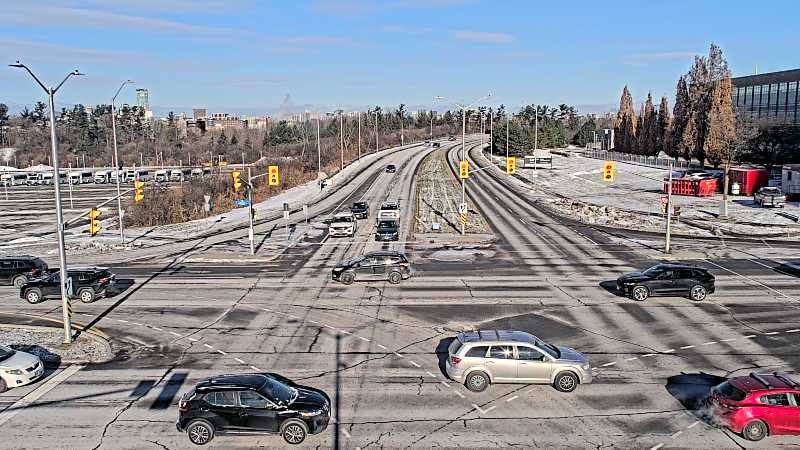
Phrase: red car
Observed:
(757, 405)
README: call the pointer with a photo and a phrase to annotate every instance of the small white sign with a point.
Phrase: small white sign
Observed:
(286, 215)
(462, 208)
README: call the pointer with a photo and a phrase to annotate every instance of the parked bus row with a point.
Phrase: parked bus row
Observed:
(102, 176)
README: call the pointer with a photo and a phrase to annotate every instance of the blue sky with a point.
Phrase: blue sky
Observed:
(246, 56)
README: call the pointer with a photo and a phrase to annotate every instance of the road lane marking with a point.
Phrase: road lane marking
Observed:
(37, 393)
(239, 360)
(647, 355)
(398, 354)
(344, 332)
(209, 346)
(383, 347)
(752, 280)
(750, 336)
(194, 339)
(445, 384)
(632, 359)
(771, 333)
(122, 320)
(222, 353)
(415, 364)
(156, 328)
(656, 447)
(694, 424)
(255, 368)
(363, 339)
(483, 411)
(687, 346)
(796, 330)
(676, 434)
(314, 322)
(430, 374)
(672, 350)
(512, 398)
(728, 340)
(459, 394)
(609, 364)
(174, 333)
(709, 343)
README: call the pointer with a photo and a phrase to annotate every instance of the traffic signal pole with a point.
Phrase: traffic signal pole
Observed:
(669, 210)
(250, 201)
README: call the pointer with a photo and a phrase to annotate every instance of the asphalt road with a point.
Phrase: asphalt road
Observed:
(177, 322)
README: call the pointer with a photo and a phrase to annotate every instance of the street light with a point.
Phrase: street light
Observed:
(464, 109)
(62, 255)
(117, 167)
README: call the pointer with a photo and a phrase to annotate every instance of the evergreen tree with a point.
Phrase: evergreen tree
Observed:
(680, 134)
(646, 130)
(40, 114)
(699, 101)
(625, 124)
(222, 141)
(585, 133)
(662, 127)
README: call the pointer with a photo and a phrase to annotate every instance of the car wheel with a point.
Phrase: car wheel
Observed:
(566, 382)
(33, 296)
(640, 293)
(395, 277)
(19, 281)
(698, 293)
(86, 295)
(294, 431)
(477, 381)
(3, 386)
(347, 278)
(755, 430)
(200, 432)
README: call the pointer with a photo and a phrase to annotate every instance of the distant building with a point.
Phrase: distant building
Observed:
(143, 99)
(769, 96)
(257, 123)
(199, 113)
(225, 121)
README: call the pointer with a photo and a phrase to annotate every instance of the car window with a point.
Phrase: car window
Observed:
(222, 398)
(796, 396)
(477, 352)
(367, 262)
(529, 354)
(252, 400)
(6, 264)
(501, 352)
(775, 399)
(684, 274)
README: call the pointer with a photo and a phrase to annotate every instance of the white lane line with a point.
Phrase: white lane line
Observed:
(415, 364)
(239, 360)
(430, 374)
(255, 368)
(483, 411)
(511, 399)
(709, 343)
(194, 339)
(609, 364)
(174, 333)
(222, 353)
(382, 346)
(632, 359)
(647, 355)
(344, 332)
(671, 350)
(751, 280)
(687, 346)
(445, 384)
(728, 340)
(771, 333)
(694, 424)
(363, 339)
(156, 328)
(265, 309)
(796, 330)
(314, 322)
(656, 447)
(37, 393)
(750, 336)
(398, 354)
(208, 346)
(459, 394)
(137, 323)
(143, 344)
(676, 434)
(122, 320)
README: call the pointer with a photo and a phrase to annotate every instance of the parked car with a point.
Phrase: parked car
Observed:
(17, 270)
(257, 403)
(373, 266)
(387, 230)
(391, 168)
(756, 405)
(343, 224)
(389, 210)
(88, 284)
(667, 279)
(769, 196)
(480, 358)
(18, 368)
(360, 210)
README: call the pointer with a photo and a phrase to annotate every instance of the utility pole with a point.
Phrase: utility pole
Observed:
(376, 131)
(402, 141)
(669, 210)
(431, 125)
(319, 152)
(359, 135)
(117, 165)
(463, 181)
(65, 282)
(491, 133)
(250, 216)
(507, 136)
(536, 130)
(341, 135)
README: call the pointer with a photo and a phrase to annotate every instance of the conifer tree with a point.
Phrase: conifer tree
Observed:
(662, 127)
(679, 146)
(625, 124)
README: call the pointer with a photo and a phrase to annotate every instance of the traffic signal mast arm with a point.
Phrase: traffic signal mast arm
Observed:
(84, 213)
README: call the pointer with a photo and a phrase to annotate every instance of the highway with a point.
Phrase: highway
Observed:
(176, 322)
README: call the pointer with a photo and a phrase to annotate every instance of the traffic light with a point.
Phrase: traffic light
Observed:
(511, 165)
(237, 182)
(138, 194)
(272, 176)
(463, 169)
(94, 224)
(608, 171)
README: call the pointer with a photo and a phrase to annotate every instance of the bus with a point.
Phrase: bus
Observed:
(81, 176)
(13, 179)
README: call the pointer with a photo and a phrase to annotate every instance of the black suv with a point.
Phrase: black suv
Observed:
(255, 403)
(667, 279)
(17, 270)
(360, 210)
(88, 284)
(391, 168)
(381, 265)
(387, 230)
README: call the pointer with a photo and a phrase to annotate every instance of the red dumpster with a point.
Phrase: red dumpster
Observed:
(692, 187)
(750, 179)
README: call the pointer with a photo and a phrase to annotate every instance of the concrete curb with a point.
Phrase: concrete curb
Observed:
(96, 336)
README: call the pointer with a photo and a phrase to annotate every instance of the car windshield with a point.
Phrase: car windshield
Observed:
(387, 224)
(278, 392)
(359, 205)
(6, 352)
(389, 206)
(771, 191)
(343, 219)
(654, 271)
(549, 349)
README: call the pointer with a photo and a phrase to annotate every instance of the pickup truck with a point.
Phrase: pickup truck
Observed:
(769, 196)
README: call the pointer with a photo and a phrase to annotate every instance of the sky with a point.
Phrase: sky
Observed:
(262, 57)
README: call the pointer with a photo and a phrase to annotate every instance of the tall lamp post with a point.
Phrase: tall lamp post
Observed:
(62, 255)
(117, 166)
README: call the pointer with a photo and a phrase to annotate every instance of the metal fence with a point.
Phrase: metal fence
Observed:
(641, 160)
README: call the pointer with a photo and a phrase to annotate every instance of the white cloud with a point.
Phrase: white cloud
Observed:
(483, 37)
(406, 29)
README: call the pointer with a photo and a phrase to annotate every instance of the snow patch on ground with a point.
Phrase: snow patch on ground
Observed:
(461, 255)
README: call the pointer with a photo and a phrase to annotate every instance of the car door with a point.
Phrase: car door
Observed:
(501, 363)
(364, 269)
(6, 268)
(225, 407)
(663, 282)
(793, 422)
(51, 287)
(777, 413)
(532, 365)
(379, 267)
(683, 280)
(257, 413)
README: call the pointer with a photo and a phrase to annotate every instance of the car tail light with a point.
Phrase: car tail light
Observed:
(102, 280)
(455, 360)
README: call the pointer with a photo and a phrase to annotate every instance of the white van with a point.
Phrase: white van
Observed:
(176, 175)
(47, 178)
(102, 177)
(161, 176)
(141, 175)
(81, 176)
(33, 179)
(13, 179)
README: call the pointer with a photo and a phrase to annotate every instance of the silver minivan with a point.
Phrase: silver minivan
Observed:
(480, 358)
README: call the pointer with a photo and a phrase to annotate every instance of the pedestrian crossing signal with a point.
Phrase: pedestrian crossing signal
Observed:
(237, 182)
(94, 224)
(138, 194)
(511, 165)
(272, 176)
(463, 169)
(608, 171)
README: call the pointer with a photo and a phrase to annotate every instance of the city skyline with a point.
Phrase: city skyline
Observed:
(355, 55)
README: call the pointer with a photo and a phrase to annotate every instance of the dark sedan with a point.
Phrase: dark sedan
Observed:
(667, 279)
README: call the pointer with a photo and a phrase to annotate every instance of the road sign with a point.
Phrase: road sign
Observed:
(207, 206)
(69, 287)
(664, 199)
(463, 218)
(286, 215)
(462, 208)
(608, 171)
(241, 202)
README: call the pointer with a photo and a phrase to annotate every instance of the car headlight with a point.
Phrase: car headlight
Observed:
(586, 367)
(313, 413)
(14, 371)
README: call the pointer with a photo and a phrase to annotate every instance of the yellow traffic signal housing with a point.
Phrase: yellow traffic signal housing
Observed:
(94, 224)
(272, 176)
(511, 165)
(237, 182)
(608, 171)
(138, 194)
(463, 169)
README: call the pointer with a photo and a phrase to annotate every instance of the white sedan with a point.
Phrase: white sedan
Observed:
(18, 368)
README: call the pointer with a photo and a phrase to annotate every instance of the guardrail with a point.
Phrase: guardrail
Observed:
(650, 161)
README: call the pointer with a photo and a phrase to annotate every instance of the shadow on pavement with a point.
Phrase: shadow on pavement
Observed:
(690, 389)
(168, 392)
(442, 353)
(120, 286)
(611, 287)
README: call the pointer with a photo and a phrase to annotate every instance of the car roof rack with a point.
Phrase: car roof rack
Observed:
(760, 379)
(790, 382)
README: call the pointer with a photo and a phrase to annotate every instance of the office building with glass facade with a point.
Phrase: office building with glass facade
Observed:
(769, 97)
